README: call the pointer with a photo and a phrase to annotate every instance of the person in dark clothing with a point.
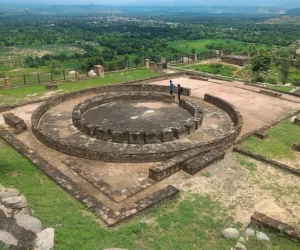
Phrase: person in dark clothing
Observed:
(171, 87)
(180, 90)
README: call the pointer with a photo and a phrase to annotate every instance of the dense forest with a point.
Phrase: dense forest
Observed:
(112, 39)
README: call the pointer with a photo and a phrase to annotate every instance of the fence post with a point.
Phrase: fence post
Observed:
(24, 79)
(38, 76)
(64, 74)
(51, 76)
(128, 64)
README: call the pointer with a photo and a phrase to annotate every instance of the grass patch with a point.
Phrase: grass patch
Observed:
(200, 45)
(10, 96)
(249, 165)
(193, 222)
(213, 68)
(279, 143)
(282, 88)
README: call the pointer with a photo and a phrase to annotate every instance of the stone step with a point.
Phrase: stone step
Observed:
(195, 164)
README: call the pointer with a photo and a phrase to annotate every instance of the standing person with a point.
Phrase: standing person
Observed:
(171, 87)
(180, 90)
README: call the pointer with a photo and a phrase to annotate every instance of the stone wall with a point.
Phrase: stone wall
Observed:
(167, 168)
(237, 60)
(137, 137)
(131, 153)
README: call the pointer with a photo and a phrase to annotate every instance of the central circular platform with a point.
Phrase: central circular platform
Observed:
(136, 116)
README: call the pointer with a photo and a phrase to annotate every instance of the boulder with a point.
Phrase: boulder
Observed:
(29, 223)
(8, 192)
(230, 233)
(249, 232)
(262, 236)
(91, 73)
(15, 202)
(73, 72)
(7, 239)
(45, 239)
(239, 246)
(242, 240)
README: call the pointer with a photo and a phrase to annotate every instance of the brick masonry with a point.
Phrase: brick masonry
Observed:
(136, 137)
(15, 122)
(197, 163)
(109, 216)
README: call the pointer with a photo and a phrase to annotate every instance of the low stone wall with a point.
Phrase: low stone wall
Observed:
(270, 93)
(136, 137)
(267, 160)
(15, 122)
(270, 223)
(168, 168)
(237, 60)
(197, 163)
(228, 108)
(109, 216)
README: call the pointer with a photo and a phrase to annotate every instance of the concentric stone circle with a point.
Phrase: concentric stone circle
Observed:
(81, 145)
(128, 135)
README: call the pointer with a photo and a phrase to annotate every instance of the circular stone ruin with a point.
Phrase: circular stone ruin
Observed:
(73, 124)
(136, 118)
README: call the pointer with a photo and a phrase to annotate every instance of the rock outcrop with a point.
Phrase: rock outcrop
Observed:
(18, 229)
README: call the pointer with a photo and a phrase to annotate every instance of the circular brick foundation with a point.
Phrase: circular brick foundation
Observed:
(174, 122)
(80, 145)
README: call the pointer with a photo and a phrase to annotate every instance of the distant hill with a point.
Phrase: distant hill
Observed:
(293, 12)
(35, 9)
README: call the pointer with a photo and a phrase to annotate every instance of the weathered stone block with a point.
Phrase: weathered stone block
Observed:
(109, 134)
(197, 163)
(261, 135)
(270, 93)
(91, 130)
(192, 126)
(136, 137)
(15, 122)
(51, 86)
(151, 137)
(296, 147)
(167, 135)
(117, 137)
(101, 134)
(179, 133)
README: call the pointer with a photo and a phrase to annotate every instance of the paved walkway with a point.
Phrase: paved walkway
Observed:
(257, 109)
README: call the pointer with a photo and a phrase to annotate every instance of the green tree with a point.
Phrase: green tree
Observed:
(137, 61)
(89, 63)
(284, 69)
(260, 63)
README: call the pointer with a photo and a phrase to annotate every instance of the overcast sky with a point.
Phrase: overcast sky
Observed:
(281, 3)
